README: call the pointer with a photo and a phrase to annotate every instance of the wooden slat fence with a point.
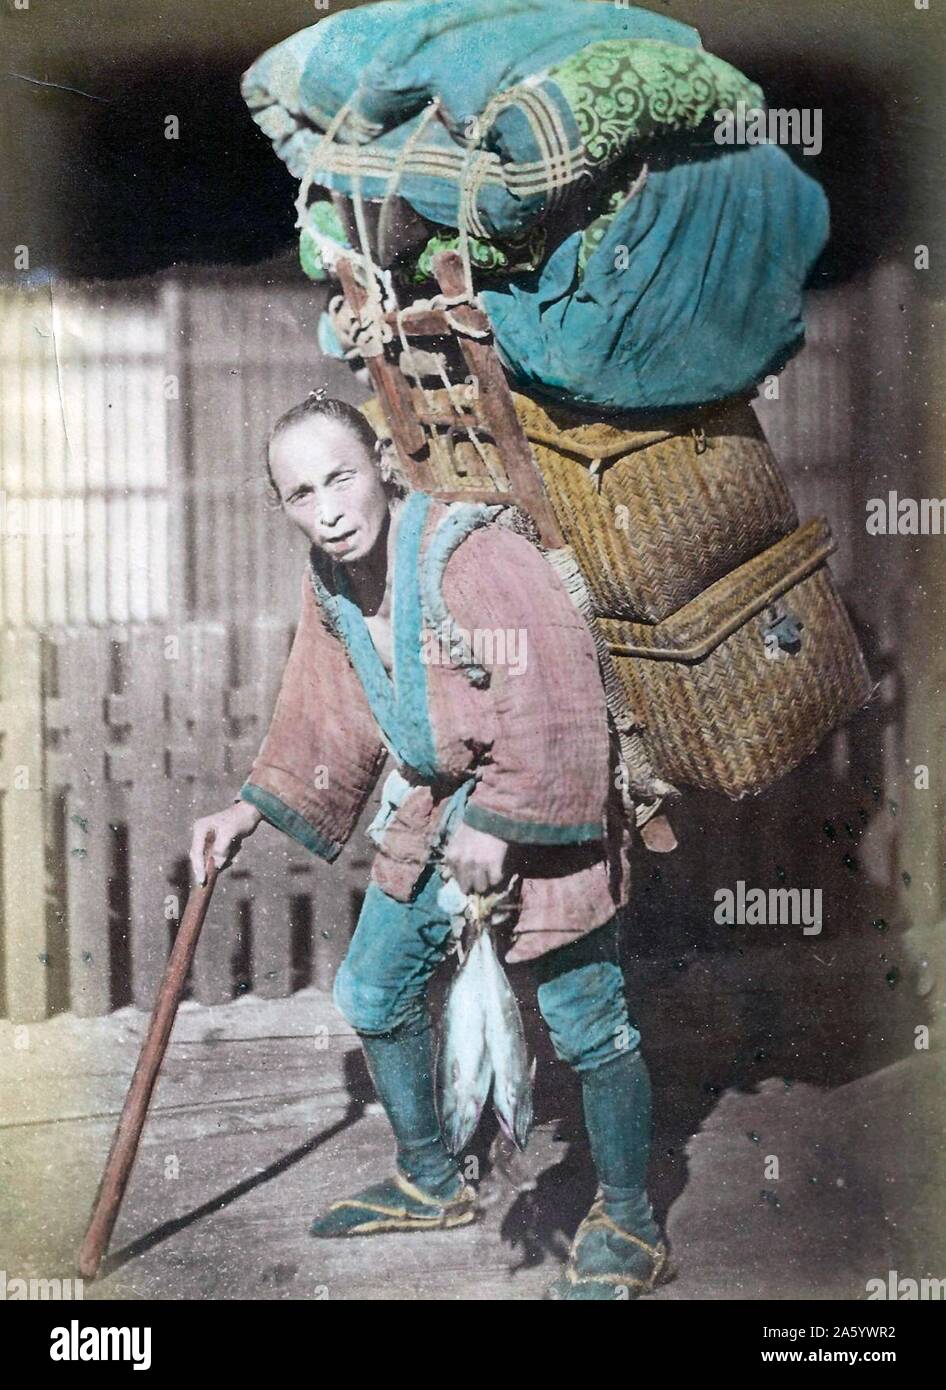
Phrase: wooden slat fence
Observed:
(132, 419)
(113, 742)
(140, 661)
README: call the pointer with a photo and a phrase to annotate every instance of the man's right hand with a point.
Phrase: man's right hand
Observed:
(229, 828)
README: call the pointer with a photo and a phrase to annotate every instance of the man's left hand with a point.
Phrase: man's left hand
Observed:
(476, 860)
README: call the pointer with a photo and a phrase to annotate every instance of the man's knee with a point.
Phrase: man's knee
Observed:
(586, 1014)
(371, 1008)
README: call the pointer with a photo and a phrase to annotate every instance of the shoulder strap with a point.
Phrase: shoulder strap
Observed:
(460, 520)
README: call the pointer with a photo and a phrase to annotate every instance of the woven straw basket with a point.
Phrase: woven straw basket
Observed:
(728, 636)
(655, 516)
(743, 682)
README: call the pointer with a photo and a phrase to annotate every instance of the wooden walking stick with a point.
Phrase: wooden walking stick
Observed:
(121, 1156)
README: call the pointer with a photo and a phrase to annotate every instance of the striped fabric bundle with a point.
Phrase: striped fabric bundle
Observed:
(522, 118)
(627, 261)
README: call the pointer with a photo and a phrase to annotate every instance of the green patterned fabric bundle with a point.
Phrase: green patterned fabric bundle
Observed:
(626, 258)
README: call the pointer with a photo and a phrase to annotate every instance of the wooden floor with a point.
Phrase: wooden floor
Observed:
(264, 1113)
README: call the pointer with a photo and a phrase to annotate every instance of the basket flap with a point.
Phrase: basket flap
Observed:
(699, 626)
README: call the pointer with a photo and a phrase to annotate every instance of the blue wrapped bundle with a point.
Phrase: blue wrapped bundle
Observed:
(626, 260)
(693, 293)
(385, 63)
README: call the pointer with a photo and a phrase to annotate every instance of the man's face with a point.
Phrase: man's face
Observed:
(330, 487)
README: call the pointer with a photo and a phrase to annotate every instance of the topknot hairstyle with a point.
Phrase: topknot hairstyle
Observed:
(318, 404)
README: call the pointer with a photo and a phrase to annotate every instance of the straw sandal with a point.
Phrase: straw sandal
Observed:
(598, 1268)
(395, 1205)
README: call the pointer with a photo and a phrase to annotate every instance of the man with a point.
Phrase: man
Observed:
(505, 778)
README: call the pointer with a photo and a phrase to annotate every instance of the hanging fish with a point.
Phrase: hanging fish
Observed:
(483, 1040)
(506, 1041)
(465, 1066)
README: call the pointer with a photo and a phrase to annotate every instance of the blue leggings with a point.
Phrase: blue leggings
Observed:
(396, 947)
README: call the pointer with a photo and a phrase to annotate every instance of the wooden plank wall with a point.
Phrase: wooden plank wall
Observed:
(83, 457)
(113, 742)
(139, 663)
(137, 415)
(132, 421)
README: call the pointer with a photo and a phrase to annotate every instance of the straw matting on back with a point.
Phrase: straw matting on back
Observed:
(666, 512)
(690, 547)
(654, 515)
(742, 715)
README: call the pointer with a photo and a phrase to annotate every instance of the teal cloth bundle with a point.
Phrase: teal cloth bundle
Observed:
(627, 260)
(692, 294)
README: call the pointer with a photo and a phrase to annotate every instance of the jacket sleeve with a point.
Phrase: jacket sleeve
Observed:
(322, 753)
(547, 777)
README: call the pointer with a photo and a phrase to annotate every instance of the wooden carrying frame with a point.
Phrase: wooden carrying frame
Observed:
(487, 414)
(711, 711)
(490, 412)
